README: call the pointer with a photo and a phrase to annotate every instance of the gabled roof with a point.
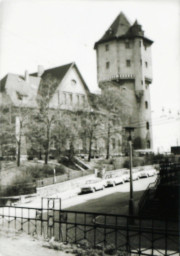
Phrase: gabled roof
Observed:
(19, 91)
(57, 72)
(24, 93)
(51, 78)
(121, 29)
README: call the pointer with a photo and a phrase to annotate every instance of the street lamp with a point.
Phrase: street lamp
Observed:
(129, 130)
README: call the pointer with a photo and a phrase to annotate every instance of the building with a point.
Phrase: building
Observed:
(124, 61)
(66, 90)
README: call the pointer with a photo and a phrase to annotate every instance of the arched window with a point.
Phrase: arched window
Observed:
(113, 143)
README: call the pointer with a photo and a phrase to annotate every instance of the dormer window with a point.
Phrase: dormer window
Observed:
(73, 82)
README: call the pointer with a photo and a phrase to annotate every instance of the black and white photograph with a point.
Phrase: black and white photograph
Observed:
(89, 127)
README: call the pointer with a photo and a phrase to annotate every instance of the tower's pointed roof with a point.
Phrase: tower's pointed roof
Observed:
(121, 25)
(120, 28)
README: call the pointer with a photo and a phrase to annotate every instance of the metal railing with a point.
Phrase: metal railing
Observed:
(136, 235)
(148, 193)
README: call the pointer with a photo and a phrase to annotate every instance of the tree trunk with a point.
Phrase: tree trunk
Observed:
(47, 148)
(19, 153)
(90, 146)
(108, 141)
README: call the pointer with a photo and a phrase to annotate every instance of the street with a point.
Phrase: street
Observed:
(110, 200)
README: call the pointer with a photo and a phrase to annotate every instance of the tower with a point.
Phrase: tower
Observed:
(124, 60)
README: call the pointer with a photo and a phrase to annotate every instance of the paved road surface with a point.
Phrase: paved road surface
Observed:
(111, 200)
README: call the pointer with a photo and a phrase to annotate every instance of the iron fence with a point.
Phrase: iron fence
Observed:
(140, 236)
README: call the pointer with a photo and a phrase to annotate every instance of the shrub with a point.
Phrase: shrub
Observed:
(136, 162)
(41, 171)
(21, 185)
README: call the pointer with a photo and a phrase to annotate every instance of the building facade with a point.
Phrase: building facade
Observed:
(124, 61)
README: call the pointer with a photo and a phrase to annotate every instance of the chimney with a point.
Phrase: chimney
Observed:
(40, 70)
(26, 76)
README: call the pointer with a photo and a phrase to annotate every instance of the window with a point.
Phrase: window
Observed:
(146, 64)
(148, 144)
(113, 143)
(107, 47)
(146, 104)
(147, 125)
(139, 43)
(127, 45)
(70, 98)
(142, 82)
(83, 99)
(141, 62)
(77, 98)
(107, 65)
(128, 63)
(145, 47)
(65, 98)
(119, 143)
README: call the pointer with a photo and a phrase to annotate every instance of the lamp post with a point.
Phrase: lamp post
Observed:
(130, 129)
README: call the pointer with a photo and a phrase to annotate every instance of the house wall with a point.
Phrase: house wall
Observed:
(70, 92)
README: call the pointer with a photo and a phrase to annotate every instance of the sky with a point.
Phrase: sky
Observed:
(56, 32)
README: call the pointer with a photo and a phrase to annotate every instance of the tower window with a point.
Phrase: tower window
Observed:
(147, 125)
(146, 104)
(128, 63)
(139, 43)
(127, 45)
(141, 62)
(107, 65)
(107, 47)
(145, 47)
(142, 82)
(148, 144)
(146, 64)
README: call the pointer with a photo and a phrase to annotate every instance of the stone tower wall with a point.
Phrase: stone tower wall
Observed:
(136, 78)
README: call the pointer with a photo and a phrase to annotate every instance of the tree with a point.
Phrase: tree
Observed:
(50, 126)
(112, 103)
(14, 121)
(90, 121)
(7, 131)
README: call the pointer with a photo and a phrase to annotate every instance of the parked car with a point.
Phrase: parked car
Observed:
(113, 180)
(93, 185)
(147, 173)
(135, 175)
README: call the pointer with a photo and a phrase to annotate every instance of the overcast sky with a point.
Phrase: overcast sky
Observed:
(55, 32)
